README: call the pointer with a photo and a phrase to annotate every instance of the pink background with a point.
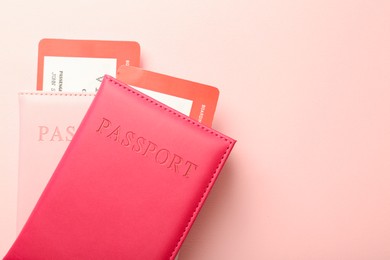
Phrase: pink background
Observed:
(305, 88)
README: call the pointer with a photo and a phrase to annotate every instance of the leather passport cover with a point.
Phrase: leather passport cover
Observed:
(130, 184)
(48, 122)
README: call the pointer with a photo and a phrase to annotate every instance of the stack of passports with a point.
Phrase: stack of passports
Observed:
(130, 184)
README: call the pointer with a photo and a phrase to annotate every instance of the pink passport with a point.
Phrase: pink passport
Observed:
(48, 122)
(130, 184)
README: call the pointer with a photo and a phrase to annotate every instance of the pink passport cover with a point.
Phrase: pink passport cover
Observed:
(48, 122)
(130, 184)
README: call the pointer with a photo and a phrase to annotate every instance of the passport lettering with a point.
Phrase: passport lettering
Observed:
(55, 134)
(147, 148)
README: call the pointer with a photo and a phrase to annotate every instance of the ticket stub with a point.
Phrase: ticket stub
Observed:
(196, 100)
(79, 65)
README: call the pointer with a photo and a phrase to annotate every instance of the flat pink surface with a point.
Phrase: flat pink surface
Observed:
(304, 89)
